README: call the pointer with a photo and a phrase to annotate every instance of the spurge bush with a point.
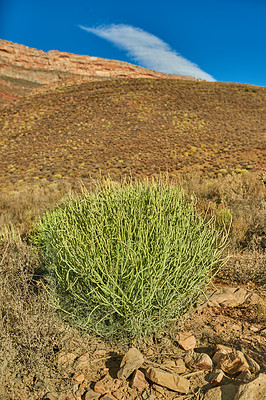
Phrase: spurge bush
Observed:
(126, 259)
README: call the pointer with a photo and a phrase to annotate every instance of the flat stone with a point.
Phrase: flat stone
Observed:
(186, 340)
(108, 396)
(99, 387)
(138, 381)
(225, 392)
(253, 329)
(232, 297)
(118, 394)
(82, 363)
(166, 379)
(180, 366)
(131, 361)
(233, 363)
(254, 390)
(90, 395)
(169, 363)
(223, 347)
(199, 361)
(79, 377)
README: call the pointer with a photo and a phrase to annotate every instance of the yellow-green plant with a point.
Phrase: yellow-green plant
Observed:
(125, 259)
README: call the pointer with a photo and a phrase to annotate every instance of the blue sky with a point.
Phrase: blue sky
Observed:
(222, 40)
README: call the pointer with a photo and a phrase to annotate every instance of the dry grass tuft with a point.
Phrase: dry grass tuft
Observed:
(19, 210)
(237, 197)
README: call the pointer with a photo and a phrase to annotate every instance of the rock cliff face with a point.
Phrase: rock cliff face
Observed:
(23, 69)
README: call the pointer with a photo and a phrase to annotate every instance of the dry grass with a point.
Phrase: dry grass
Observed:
(19, 210)
(30, 332)
(237, 197)
(246, 267)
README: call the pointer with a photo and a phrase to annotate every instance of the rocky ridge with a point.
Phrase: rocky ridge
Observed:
(23, 68)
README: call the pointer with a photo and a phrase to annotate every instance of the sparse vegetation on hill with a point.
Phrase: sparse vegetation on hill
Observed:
(136, 126)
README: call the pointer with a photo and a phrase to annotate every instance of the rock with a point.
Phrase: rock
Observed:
(108, 396)
(171, 381)
(79, 393)
(223, 347)
(169, 363)
(115, 385)
(263, 332)
(65, 360)
(99, 353)
(158, 388)
(178, 366)
(145, 395)
(82, 363)
(131, 361)
(149, 352)
(254, 390)
(253, 328)
(220, 354)
(232, 297)
(233, 362)
(51, 396)
(199, 361)
(225, 392)
(99, 387)
(138, 381)
(90, 395)
(57, 68)
(118, 394)
(245, 376)
(216, 377)
(186, 340)
(79, 377)
(253, 365)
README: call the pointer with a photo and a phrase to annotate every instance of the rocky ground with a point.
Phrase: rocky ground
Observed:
(211, 355)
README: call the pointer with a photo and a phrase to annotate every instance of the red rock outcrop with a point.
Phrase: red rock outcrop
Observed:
(23, 69)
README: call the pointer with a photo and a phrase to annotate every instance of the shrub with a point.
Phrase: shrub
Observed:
(125, 259)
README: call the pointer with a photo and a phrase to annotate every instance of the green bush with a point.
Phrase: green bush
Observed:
(126, 259)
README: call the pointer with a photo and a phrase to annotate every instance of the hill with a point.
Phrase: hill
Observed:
(132, 126)
(24, 69)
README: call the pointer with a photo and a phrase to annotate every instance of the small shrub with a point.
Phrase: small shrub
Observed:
(225, 217)
(29, 328)
(126, 259)
(240, 171)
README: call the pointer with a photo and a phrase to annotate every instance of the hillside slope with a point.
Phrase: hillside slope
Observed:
(23, 69)
(135, 126)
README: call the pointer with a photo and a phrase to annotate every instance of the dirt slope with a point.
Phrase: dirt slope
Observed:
(137, 126)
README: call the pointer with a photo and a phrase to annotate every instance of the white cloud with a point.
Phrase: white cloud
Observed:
(148, 50)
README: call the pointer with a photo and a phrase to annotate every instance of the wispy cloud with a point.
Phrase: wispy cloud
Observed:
(148, 50)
